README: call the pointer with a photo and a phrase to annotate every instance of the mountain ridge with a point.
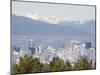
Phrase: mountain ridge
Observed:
(49, 19)
(22, 25)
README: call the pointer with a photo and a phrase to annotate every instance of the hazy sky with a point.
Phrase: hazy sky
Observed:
(70, 12)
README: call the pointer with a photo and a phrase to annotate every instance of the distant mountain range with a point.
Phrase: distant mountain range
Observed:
(41, 17)
(25, 26)
(88, 26)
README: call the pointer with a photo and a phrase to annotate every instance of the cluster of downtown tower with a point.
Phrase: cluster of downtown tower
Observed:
(71, 51)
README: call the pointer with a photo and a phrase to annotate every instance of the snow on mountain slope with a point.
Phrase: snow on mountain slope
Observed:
(41, 17)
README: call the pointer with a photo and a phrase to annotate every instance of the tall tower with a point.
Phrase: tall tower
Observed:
(31, 46)
(40, 49)
(88, 45)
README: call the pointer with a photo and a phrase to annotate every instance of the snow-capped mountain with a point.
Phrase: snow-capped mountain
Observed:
(49, 19)
(38, 23)
(21, 24)
(41, 17)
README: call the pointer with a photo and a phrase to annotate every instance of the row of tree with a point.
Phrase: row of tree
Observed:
(28, 64)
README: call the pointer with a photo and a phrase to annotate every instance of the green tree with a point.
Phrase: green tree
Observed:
(27, 65)
(82, 64)
(67, 66)
(59, 65)
(56, 65)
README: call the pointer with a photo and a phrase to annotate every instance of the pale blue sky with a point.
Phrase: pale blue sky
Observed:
(71, 12)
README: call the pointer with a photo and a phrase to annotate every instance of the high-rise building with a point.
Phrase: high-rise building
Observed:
(74, 43)
(17, 49)
(40, 49)
(15, 56)
(88, 45)
(24, 52)
(31, 46)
